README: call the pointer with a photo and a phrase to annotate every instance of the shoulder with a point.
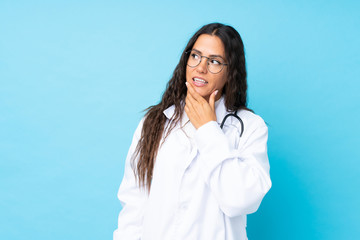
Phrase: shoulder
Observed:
(138, 130)
(251, 120)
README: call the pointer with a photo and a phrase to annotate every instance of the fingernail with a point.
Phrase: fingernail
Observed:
(216, 92)
(186, 83)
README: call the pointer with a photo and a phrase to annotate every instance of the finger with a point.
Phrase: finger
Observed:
(191, 115)
(190, 98)
(194, 106)
(190, 101)
(212, 100)
(186, 108)
(188, 111)
(191, 107)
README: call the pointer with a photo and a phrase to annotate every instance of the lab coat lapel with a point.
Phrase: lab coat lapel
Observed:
(169, 113)
(220, 110)
(189, 134)
(184, 131)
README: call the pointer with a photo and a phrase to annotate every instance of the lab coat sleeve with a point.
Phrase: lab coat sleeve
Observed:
(238, 177)
(132, 199)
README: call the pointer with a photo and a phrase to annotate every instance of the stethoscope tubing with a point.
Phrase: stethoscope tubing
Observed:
(237, 117)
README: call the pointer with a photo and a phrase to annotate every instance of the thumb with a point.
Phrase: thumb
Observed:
(212, 99)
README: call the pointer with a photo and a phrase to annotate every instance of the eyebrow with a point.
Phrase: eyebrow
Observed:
(213, 55)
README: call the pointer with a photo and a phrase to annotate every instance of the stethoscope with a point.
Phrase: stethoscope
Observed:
(237, 117)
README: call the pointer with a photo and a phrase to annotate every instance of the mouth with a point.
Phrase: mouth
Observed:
(199, 82)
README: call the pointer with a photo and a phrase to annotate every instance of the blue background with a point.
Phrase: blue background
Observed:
(75, 77)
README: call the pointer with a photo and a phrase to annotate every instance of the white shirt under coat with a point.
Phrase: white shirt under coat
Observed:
(205, 181)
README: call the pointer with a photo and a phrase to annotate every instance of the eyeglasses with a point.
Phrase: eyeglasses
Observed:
(213, 64)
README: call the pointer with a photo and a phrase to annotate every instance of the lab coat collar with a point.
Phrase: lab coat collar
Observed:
(220, 110)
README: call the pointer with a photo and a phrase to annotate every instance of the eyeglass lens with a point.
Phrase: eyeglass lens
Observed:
(214, 64)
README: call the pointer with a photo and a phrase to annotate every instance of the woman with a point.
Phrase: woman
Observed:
(185, 176)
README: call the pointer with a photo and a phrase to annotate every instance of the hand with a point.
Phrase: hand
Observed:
(198, 109)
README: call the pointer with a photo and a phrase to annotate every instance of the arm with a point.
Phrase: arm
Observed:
(239, 178)
(132, 199)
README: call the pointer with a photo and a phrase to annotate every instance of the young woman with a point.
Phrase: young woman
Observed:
(198, 161)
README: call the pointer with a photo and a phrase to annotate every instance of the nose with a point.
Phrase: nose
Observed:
(202, 65)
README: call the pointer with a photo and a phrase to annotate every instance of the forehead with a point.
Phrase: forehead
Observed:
(209, 45)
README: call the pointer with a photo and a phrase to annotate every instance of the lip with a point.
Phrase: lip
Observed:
(199, 83)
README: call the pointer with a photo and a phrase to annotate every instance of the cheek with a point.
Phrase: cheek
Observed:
(187, 74)
(221, 81)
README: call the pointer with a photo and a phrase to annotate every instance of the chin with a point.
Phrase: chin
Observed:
(201, 92)
(204, 95)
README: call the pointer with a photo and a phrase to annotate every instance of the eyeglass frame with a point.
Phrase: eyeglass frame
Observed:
(207, 61)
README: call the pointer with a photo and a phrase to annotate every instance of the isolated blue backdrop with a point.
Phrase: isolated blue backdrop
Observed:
(75, 76)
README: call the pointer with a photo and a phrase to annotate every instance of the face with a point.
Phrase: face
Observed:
(205, 82)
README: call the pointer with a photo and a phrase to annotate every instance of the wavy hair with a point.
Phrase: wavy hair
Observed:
(154, 121)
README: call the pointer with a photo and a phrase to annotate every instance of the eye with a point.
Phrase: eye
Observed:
(214, 61)
(194, 55)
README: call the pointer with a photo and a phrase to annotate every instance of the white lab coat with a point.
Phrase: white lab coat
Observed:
(205, 181)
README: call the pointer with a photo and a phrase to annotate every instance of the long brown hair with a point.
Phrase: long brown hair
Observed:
(175, 93)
